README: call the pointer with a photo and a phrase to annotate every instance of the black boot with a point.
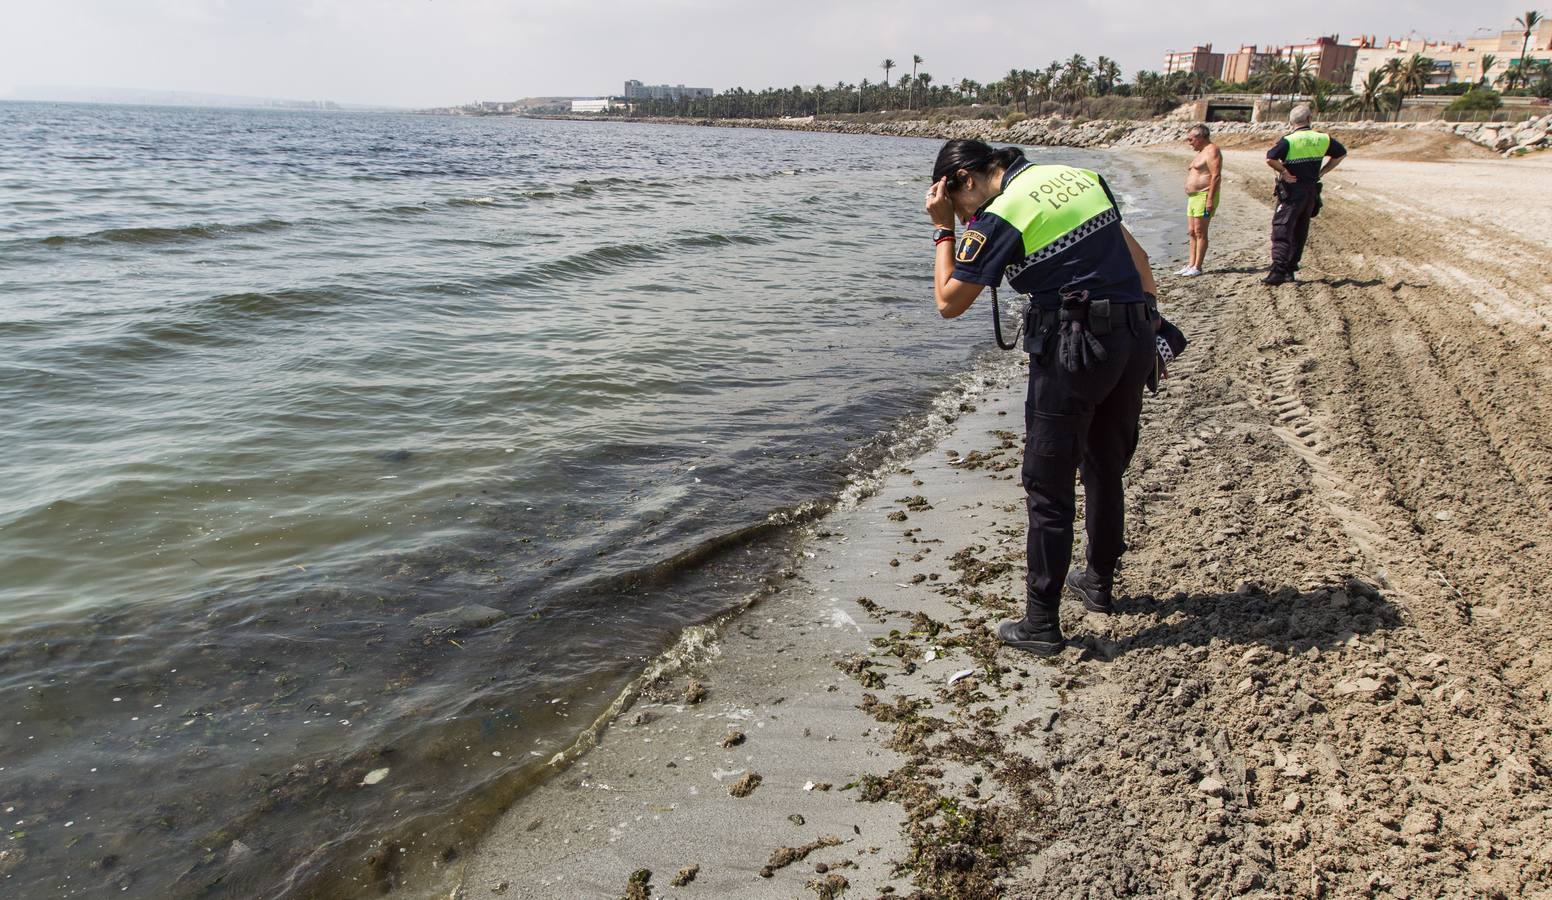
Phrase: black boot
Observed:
(1094, 591)
(1277, 276)
(1039, 632)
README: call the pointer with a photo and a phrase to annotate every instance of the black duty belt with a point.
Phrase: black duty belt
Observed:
(1100, 315)
(1116, 313)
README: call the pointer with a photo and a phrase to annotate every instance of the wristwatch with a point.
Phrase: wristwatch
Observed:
(939, 235)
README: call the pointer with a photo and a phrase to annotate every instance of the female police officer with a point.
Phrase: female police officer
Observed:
(1055, 232)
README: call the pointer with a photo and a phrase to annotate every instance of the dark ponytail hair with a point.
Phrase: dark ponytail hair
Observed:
(977, 157)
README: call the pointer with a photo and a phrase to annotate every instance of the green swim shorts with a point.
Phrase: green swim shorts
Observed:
(1196, 206)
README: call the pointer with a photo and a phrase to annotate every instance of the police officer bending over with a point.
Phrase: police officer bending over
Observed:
(1297, 160)
(1055, 232)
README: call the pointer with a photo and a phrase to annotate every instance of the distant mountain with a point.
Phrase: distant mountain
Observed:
(141, 97)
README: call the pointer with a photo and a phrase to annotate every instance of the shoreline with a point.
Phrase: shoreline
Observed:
(1292, 640)
(789, 676)
(1507, 140)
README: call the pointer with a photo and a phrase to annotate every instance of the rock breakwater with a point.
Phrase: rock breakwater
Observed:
(1509, 139)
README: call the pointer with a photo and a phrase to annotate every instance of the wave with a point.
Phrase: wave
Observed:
(214, 322)
(159, 235)
(612, 256)
(292, 303)
(609, 258)
(719, 240)
(590, 186)
(593, 262)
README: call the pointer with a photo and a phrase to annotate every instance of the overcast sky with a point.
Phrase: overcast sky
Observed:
(440, 52)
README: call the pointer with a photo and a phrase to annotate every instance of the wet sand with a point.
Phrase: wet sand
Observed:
(790, 677)
(1328, 673)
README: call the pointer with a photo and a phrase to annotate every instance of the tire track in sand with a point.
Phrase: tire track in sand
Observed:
(1305, 738)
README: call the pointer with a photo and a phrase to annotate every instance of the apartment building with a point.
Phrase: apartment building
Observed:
(1458, 61)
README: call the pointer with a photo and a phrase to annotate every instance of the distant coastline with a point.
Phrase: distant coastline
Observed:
(54, 93)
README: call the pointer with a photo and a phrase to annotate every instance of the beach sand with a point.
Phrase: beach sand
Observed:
(1328, 676)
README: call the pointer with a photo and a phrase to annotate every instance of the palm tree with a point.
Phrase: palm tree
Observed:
(1275, 74)
(1017, 89)
(1543, 86)
(886, 65)
(966, 88)
(1078, 66)
(1413, 75)
(1043, 85)
(1371, 97)
(1528, 22)
(1156, 89)
(1105, 75)
(1301, 73)
(1488, 61)
(1198, 83)
(1075, 79)
(910, 102)
(1320, 96)
(1392, 72)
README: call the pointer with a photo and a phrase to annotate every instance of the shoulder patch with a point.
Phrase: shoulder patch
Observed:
(970, 246)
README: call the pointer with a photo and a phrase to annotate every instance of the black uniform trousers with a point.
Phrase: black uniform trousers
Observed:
(1290, 224)
(1082, 420)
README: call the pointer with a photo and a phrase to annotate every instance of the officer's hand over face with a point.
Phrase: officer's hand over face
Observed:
(939, 207)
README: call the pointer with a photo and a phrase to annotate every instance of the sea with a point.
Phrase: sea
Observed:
(358, 466)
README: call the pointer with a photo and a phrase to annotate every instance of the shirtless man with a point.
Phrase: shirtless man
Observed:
(1202, 181)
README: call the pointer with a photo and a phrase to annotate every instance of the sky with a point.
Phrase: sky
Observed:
(421, 53)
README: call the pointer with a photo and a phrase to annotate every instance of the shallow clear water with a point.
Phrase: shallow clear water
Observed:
(276, 384)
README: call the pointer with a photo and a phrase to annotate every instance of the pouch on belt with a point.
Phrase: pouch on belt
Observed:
(1039, 332)
(1099, 317)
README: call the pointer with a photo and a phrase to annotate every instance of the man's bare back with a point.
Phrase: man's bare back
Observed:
(1199, 175)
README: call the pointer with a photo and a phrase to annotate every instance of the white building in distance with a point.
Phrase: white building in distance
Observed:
(635, 90)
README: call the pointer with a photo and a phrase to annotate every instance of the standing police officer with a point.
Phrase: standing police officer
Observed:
(1297, 160)
(1055, 232)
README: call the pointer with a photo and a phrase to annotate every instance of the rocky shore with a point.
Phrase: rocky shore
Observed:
(1509, 139)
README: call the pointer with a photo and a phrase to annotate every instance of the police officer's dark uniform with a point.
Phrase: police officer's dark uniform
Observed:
(1055, 233)
(1303, 153)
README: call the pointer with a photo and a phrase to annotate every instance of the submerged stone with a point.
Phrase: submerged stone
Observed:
(459, 618)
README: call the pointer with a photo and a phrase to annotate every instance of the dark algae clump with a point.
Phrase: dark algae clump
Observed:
(745, 786)
(639, 885)
(685, 875)
(783, 857)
